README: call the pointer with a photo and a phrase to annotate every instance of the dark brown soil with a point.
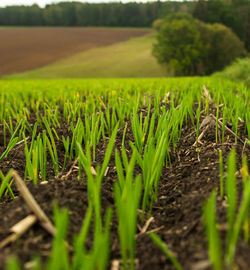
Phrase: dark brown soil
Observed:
(183, 189)
(27, 48)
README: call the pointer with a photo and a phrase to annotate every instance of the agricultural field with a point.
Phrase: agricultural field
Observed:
(126, 59)
(124, 174)
(26, 48)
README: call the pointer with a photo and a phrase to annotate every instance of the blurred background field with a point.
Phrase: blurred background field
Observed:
(81, 40)
(130, 58)
(27, 48)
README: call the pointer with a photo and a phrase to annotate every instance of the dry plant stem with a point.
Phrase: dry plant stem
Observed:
(206, 94)
(106, 172)
(19, 229)
(70, 170)
(205, 123)
(145, 227)
(244, 146)
(93, 171)
(22, 141)
(189, 135)
(201, 136)
(200, 265)
(155, 230)
(228, 129)
(115, 265)
(23, 224)
(32, 204)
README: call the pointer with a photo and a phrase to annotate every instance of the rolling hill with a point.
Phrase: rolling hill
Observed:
(131, 58)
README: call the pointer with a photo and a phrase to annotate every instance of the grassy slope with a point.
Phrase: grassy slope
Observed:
(238, 71)
(131, 58)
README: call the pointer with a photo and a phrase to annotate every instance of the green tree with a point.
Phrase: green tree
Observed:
(232, 13)
(186, 46)
(225, 47)
(179, 46)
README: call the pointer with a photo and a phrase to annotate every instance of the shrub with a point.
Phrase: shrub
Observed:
(238, 71)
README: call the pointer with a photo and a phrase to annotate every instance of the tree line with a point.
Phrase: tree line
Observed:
(131, 14)
(235, 14)
(232, 13)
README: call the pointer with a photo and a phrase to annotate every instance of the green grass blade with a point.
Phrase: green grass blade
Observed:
(231, 193)
(165, 249)
(215, 250)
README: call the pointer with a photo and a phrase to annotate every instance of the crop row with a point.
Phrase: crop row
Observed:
(78, 115)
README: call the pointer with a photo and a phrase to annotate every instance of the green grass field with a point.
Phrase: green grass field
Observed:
(132, 58)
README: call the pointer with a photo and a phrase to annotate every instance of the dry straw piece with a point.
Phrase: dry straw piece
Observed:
(32, 204)
(19, 229)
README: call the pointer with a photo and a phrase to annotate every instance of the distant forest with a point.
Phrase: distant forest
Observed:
(232, 13)
(86, 14)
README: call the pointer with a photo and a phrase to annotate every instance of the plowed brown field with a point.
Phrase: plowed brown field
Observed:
(22, 49)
